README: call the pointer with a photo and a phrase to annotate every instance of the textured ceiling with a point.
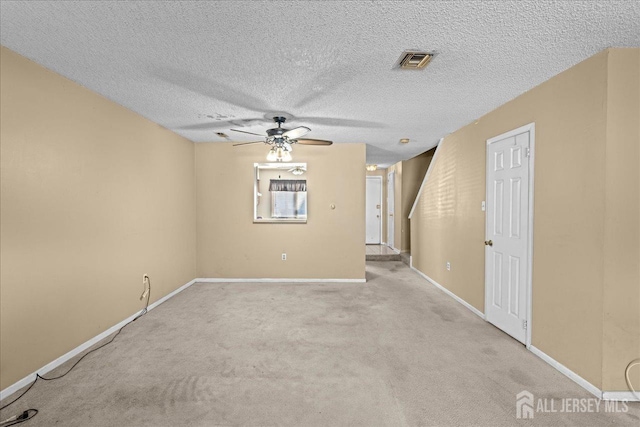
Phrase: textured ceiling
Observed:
(203, 67)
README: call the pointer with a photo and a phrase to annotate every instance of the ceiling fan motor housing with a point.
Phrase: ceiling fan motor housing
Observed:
(277, 132)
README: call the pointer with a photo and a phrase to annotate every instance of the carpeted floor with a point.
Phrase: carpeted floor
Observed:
(393, 351)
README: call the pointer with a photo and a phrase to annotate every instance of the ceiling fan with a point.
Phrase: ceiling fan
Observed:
(298, 170)
(281, 139)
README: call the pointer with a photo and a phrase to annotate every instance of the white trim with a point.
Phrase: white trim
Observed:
(283, 280)
(567, 372)
(378, 177)
(532, 156)
(397, 251)
(60, 360)
(620, 396)
(391, 198)
(426, 176)
(604, 395)
(170, 295)
(514, 132)
(531, 128)
(448, 292)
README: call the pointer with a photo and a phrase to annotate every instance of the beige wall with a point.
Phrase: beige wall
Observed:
(580, 213)
(329, 245)
(93, 196)
(413, 171)
(621, 296)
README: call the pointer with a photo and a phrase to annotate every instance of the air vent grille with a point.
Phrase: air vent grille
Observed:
(414, 60)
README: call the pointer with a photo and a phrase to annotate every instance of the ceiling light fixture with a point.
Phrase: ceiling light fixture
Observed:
(404, 141)
(280, 153)
(297, 170)
(371, 168)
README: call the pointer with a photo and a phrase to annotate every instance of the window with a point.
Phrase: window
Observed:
(280, 193)
(288, 198)
(289, 204)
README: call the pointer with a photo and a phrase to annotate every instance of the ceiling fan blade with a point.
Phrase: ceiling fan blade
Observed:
(247, 143)
(313, 142)
(341, 122)
(210, 88)
(244, 131)
(296, 132)
(219, 124)
(322, 85)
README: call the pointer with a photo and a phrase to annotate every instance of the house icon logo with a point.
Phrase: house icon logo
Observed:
(524, 405)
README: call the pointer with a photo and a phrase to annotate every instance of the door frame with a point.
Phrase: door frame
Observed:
(531, 128)
(378, 178)
(391, 201)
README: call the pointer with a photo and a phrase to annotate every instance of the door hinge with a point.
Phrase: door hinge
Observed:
(524, 324)
(527, 152)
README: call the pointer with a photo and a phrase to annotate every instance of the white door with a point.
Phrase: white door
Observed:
(507, 260)
(390, 208)
(374, 210)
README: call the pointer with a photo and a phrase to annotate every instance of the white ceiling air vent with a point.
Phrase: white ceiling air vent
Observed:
(414, 60)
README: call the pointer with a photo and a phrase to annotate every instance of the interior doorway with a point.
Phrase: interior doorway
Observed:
(509, 232)
(374, 210)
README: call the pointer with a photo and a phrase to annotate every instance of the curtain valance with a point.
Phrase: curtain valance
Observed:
(288, 185)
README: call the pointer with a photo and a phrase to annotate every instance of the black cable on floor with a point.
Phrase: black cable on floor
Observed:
(25, 416)
(38, 376)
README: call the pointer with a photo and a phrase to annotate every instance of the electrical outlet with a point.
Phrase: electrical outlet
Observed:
(284, 257)
(448, 266)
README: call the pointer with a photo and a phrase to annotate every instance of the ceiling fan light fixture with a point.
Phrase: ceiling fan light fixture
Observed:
(372, 168)
(297, 171)
(279, 154)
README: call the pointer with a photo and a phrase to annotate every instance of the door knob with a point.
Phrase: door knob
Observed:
(390, 214)
(488, 242)
(377, 216)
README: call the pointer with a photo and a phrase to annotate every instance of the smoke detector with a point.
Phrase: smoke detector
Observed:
(414, 59)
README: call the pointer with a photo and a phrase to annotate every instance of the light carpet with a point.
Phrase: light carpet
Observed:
(392, 351)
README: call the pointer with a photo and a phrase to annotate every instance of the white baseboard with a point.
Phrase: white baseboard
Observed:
(171, 295)
(448, 292)
(567, 372)
(287, 280)
(604, 395)
(69, 355)
(620, 396)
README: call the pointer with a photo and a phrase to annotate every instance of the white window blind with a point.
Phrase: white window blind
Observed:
(289, 204)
